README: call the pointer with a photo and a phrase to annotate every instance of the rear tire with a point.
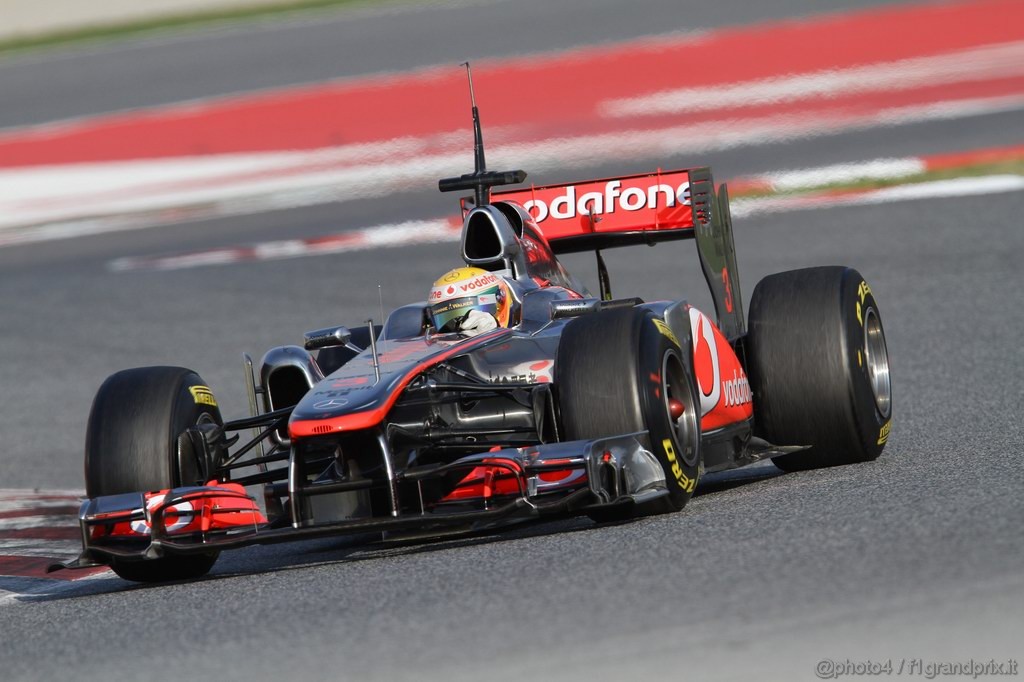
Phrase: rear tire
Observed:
(819, 368)
(132, 445)
(614, 373)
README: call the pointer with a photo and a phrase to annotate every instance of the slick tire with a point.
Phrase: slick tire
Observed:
(819, 368)
(132, 445)
(615, 372)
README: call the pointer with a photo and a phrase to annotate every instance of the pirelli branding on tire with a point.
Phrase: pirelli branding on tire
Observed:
(883, 433)
(202, 395)
(685, 482)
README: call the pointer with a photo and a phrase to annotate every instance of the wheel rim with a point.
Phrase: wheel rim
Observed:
(676, 387)
(877, 362)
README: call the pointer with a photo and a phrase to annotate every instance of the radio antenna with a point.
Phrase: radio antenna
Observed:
(479, 163)
(380, 301)
(480, 180)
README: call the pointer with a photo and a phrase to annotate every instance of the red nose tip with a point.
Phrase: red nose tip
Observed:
(675, 408)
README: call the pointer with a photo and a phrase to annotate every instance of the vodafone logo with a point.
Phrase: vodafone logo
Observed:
(613, 197)
(737, 390)
(467, 288)
(481, 282)
(705, 360)
(647, 201)
(714, 389)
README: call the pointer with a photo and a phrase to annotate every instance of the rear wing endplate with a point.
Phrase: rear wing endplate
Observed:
(717, 251)
(645, 209)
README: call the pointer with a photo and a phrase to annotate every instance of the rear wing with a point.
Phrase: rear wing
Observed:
(645, 209)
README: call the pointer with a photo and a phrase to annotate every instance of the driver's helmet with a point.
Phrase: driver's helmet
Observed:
(459, 291)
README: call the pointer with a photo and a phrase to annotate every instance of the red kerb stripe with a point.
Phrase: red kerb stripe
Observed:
(40, 511)
(59, 533)
(566, 88)
(35, 567)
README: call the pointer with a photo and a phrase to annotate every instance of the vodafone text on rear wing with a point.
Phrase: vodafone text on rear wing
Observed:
(645, 209)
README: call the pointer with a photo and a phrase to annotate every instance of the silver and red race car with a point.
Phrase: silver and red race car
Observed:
(583, 404)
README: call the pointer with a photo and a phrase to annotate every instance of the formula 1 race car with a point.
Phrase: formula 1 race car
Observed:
(609, 407)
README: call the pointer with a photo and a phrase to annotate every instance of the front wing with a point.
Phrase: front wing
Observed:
(499, 487)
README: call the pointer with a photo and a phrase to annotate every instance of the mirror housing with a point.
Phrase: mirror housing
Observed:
(328, 337)
(576, 307)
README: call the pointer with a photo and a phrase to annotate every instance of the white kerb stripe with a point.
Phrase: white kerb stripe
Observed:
(979, 64)
(878, 169)
(938, 189)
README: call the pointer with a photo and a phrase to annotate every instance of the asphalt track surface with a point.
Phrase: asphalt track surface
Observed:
(915, 556)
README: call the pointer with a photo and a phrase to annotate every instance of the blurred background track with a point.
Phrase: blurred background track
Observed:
(35, 18)
(713, 90)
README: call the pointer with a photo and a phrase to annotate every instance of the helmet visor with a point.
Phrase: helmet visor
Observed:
(448, 315)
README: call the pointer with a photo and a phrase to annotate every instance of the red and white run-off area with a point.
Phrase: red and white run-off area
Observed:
(36, 529)
(648, 98)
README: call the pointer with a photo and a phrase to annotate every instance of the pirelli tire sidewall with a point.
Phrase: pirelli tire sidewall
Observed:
(679, 460)
(873, 424)
(195, 404)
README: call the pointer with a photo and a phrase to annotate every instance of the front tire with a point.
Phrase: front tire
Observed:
(134, 443)
(616, 372)
(819, 368)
